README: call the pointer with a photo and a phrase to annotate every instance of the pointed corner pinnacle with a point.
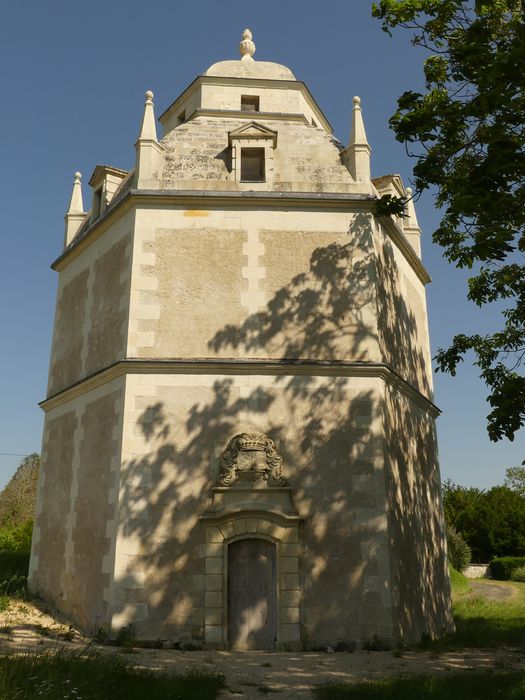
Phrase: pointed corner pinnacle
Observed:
(148, 129)
(247, 47)
(410, 211)
(358, 133)
(76, 205)
(75, 213)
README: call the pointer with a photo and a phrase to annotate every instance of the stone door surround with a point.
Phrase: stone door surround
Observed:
(252, 500)
(219, 533)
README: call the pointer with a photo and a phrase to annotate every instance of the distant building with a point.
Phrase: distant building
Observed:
(239, 447)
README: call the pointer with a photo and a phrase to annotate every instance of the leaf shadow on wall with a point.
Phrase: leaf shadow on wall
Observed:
(369, 495)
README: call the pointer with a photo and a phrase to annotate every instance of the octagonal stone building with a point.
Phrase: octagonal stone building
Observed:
(239, 447)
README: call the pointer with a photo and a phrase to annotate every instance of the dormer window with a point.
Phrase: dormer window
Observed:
(252, 146)
(249, 103)
(252, 165)
(105, 181)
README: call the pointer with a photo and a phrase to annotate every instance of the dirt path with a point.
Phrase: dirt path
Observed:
(499, 591)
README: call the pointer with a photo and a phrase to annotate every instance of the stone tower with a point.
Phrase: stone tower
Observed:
(239, 446)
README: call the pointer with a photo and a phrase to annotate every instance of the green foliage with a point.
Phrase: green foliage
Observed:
(17, 500)
(518, 574)
(13, 564)
(492, 522)
(478, 685)
(459, 553)
(515, 479)
(126, 637)
(14, 586)
(458, 582)
(467, 131)
(91, 676)
(486, 623)
(16, 538)
(388, 205)
(501, 568)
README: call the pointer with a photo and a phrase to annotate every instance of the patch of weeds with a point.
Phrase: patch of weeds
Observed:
(6, 629)
(23, 609)
(375, 644)
(102, 636)
(44, 631)
(266, 664)
(90, 676)
(190, 646)
(4, 603)
(70, 634)
(126, 637)
(475, 685)
(15, 586)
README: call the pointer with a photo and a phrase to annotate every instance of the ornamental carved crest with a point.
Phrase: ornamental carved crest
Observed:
(250, 458)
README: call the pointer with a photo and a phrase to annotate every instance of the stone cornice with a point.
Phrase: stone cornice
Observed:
(285, 367)
(203, 199)
(238, 114)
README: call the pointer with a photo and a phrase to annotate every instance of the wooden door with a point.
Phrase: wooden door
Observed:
(252, 599)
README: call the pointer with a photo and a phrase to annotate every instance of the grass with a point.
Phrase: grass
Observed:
(90, 676)
(485, 623)
(482, 623)
(467, 686)
(459, 582)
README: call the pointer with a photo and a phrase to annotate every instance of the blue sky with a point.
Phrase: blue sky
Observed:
(73, 84)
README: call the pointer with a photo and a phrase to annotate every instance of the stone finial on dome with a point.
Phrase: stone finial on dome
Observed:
(247, 47)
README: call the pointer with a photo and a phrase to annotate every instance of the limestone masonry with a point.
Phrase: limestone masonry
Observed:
(239, 447)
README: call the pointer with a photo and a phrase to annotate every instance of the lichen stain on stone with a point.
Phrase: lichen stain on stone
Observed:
(196, 212)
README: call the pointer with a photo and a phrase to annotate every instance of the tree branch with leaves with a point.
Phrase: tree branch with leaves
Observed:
(467, 133)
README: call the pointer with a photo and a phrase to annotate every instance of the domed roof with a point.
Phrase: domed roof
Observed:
(252, 69)
(246, 67)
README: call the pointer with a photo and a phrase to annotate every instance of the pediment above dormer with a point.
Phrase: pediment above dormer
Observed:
(253, 131)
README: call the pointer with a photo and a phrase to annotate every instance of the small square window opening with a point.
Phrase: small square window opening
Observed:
(97, 203)
(252, 165)
(249, 103)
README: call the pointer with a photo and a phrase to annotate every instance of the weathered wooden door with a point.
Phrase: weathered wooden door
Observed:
(252, 599)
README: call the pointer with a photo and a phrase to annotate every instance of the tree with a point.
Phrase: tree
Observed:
(458, 499)
(459, 553)
(515, 479)
(467, 132)
(17, 500)
(491, 522)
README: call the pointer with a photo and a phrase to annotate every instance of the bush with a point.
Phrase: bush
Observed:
(13, 564)
(14, 586)
(501, 568)
(518, 574)
(459, 553)
(16, 538)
